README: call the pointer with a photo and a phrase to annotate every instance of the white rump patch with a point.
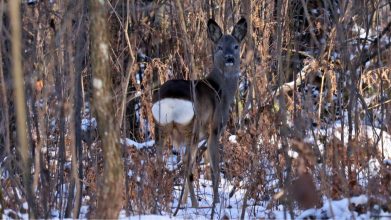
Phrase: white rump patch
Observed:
(173, 110)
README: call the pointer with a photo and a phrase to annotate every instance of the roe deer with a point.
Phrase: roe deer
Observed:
(189, 112)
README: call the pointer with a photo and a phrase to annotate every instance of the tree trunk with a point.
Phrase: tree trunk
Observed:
(110, 197)
(20, 101)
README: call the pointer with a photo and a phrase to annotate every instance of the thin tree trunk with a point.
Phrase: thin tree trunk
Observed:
(5, 108)
(68, 55)
(20, 99)
(288, 203)
(3, 94)
(80, 50)
(110, 197)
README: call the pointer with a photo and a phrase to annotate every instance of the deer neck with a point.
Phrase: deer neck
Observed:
(227, 81)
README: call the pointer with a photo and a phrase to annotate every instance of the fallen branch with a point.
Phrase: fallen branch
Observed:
(286, 87)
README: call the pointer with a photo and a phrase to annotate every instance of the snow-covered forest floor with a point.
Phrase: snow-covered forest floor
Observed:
(232, 194)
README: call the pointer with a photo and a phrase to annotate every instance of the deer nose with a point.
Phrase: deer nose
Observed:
(229, 60)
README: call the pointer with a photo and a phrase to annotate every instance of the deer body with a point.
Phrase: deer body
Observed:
(189, 112)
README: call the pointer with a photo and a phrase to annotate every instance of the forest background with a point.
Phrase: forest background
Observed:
(310, 121)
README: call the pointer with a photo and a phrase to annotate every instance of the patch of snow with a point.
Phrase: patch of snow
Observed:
(360, 31)
(387, 161)
(337, 209)
(130, 142)
(293, 154)
(85, 123)
(359, 200)
(371, 133)
(122, 215)
(232, 139)
(32, 1)
(201, 143)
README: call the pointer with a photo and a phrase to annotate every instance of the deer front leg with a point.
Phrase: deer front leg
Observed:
(213, 151)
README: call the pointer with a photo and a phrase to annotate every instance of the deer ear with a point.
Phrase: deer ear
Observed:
(214, 31)
(240, 30)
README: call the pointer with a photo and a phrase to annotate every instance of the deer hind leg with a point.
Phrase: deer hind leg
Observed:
(185, 167)
(191, 153)
(160, 140)
(213, 151)
(207, 166)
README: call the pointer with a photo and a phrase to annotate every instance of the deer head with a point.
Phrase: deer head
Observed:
(227, 47)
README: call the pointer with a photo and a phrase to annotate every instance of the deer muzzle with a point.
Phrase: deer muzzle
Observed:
(229, 60)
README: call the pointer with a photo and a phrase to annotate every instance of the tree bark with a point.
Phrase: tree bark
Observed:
(20, 100)
(110, 197)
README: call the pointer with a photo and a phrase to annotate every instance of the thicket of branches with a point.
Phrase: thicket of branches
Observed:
(315, 80)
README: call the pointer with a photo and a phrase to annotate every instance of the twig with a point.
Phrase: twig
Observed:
(180, 197)
(311, 28)
(319, 109)
(125, 84)
(379, 104)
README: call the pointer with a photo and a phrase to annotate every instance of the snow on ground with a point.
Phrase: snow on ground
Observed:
(146, 217)
(232, 207)
(370, 133)
(130, 142)
(85, 123)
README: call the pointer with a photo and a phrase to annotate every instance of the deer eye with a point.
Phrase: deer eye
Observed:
(236, 47)
(219, 47)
